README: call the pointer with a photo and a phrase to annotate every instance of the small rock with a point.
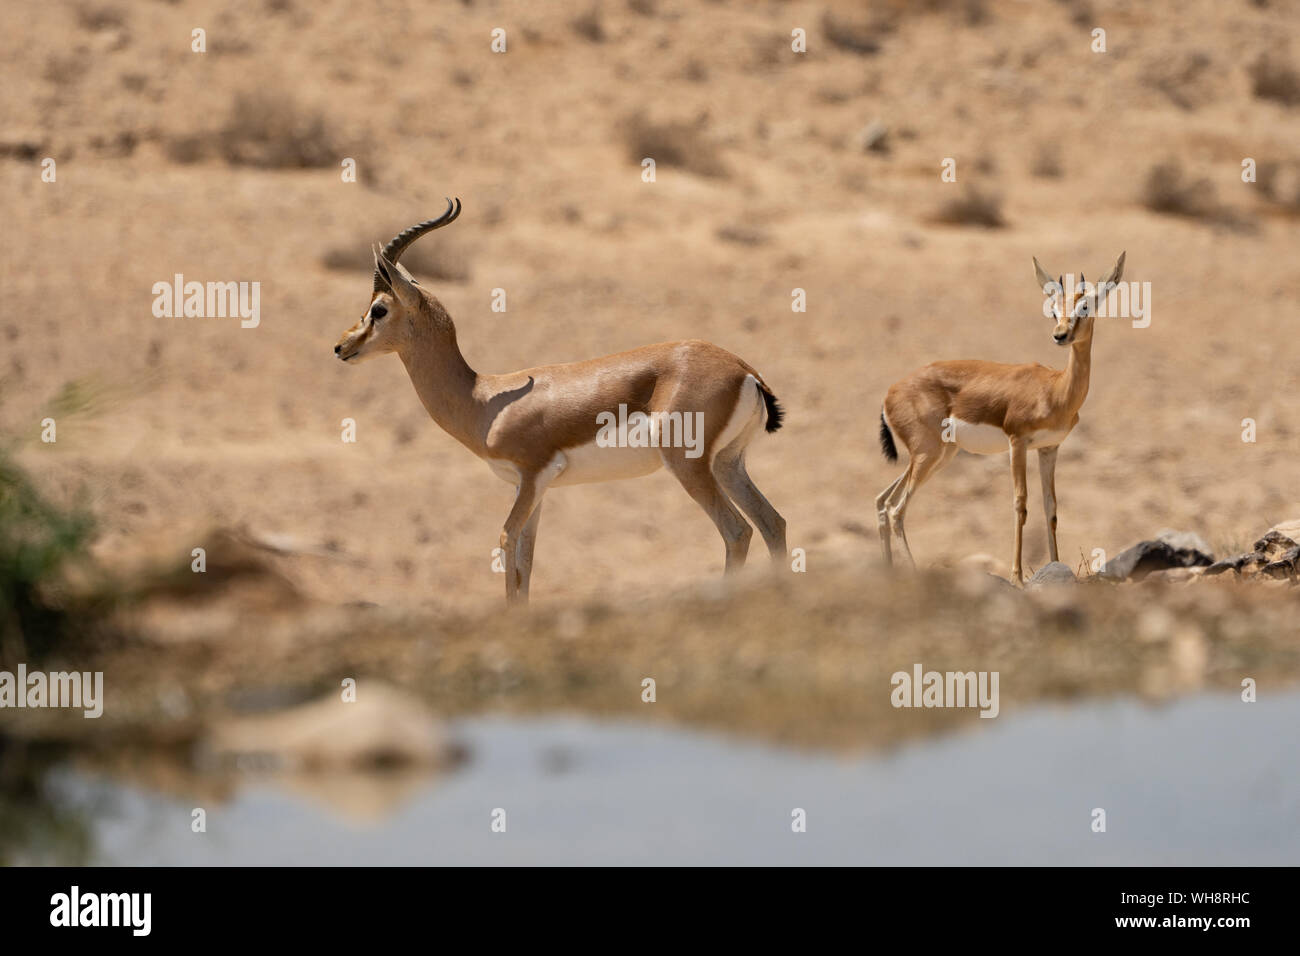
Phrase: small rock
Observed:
(1054, 573)
(1247, 559)
(1274, 544)
(1185, 541)
(1172, 549)
(1289, 528)
(875, 137)
(1284, 567)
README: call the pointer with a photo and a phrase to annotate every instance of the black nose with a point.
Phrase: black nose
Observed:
(1059, 338)
(337, 349)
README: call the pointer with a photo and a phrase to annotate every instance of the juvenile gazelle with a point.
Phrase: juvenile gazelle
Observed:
(543, 426)
(989, 408)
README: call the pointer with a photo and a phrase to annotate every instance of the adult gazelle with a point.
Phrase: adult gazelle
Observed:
(547, 426)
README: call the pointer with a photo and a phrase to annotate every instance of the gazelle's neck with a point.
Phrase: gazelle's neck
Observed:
(1073, 386)
(444, 381)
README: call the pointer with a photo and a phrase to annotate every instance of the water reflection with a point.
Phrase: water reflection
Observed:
(1207, 780)
(39, 824)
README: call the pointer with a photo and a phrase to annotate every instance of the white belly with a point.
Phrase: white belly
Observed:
(584, 464)
(992, 440)
(979, 439)
(591, 462)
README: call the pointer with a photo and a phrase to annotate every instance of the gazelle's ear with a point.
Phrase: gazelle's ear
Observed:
(1044, 280)
(397, 279)
(1115, 274)
(381, 281)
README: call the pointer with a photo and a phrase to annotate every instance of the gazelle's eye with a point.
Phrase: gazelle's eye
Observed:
(378, 312)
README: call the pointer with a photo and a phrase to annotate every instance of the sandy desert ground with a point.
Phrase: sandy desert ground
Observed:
(225, 165)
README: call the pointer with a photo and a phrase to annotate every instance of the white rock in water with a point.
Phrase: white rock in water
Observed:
(384, 726)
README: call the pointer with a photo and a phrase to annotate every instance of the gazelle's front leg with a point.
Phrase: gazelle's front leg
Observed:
(524, 557)
(1019, 451)
(520, 530)
(1047, 472)
(526, 501)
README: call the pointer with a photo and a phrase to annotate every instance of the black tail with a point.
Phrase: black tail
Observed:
(775, 413)
(887, 440)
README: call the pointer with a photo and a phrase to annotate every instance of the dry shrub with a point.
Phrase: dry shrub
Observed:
(696, 71)
(1170, 192)
(188, 147)
(1185, 79)
(21, 146)
(1272, 78)
(1047, 163)
(743, 235)
(271, 130)
(1279, 181)
(264, 129)
(974, 207)
(63, 68)
(97, 18)
(860, 31)
(589, 26)
(855, 34)
(1081, 13)
(677, 143)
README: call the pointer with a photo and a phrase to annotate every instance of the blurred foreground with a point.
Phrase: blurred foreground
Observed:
(239, 709)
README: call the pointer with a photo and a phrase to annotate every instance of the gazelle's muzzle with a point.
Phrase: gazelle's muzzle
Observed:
(351, 345)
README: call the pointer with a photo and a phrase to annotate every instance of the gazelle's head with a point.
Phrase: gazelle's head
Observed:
(396, 300)
(1074, 318)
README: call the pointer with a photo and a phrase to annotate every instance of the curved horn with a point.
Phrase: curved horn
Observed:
(397, 245)
(404, 238)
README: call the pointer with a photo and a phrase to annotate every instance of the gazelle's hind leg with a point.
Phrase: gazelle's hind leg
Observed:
(700, 483)
(735, 481)
(729, 469)
(925, 463)
(882, 518)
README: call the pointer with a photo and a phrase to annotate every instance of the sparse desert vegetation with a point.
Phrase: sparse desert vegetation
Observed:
(1274, 77)
(264, 128)
(972, 206)
(673, 144)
